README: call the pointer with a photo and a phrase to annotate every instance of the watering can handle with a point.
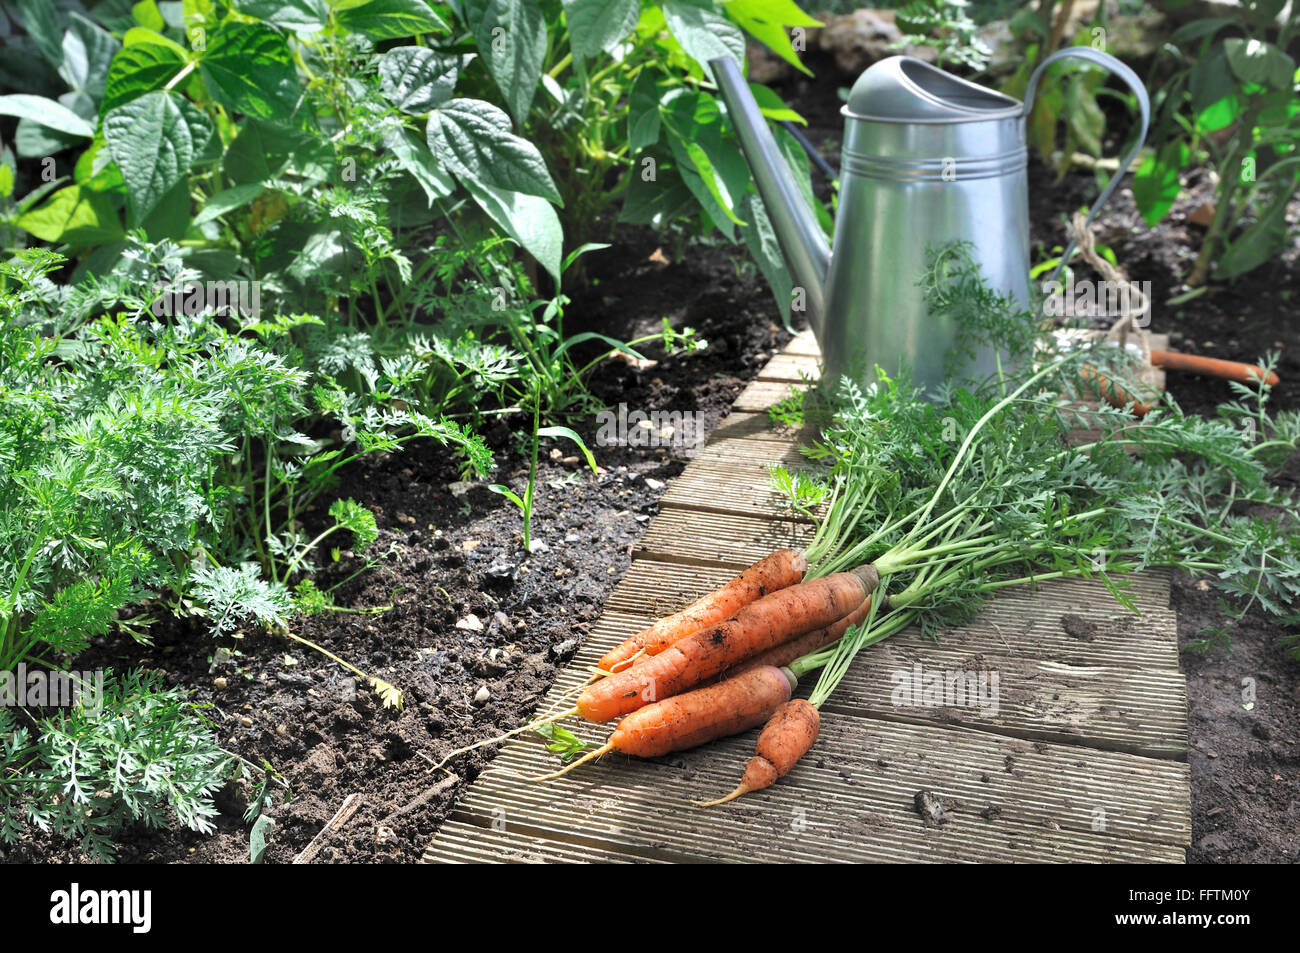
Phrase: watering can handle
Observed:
(1111, 65)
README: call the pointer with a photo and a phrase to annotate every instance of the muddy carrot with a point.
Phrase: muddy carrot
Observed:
(693, 718)
(1213, 367)
(781, 569)
(806, 644)
(759, 626)
(783, 741)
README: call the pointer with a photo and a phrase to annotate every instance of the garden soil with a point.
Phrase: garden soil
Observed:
(474, 633)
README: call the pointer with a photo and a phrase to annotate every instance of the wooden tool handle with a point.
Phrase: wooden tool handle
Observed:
(1114, 393)
(1212, 367)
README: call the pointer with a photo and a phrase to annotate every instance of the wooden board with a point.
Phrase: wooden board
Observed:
(1079, 755)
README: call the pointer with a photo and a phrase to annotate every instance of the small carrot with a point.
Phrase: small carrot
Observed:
(770, 621)
(693, 718)
(784, 740)
(1213, 367)
(806, 644)
(781, 569)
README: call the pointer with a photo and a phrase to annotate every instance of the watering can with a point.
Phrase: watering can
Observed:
(928, 159)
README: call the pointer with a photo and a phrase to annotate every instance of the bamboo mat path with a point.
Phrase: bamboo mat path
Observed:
(1083, 759)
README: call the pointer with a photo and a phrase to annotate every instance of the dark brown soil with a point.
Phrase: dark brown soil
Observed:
(447, 559)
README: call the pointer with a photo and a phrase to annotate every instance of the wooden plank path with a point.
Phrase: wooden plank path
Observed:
(1083, 758)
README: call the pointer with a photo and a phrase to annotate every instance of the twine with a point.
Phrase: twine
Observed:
(1128, 322)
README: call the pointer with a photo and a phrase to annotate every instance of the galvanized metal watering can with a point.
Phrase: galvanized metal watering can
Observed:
(928, 159)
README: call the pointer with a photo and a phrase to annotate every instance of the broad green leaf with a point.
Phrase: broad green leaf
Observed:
(416, 79)
(643, 112)
(1210, 80)
(1264, 13)
(1263, 239)
(46, 112)
(703, 34)
(1083, 115)
(6, 181)
(303, 16)
(41, 20)
(773, 107)
(767, 19)
(154, 140)
(262, 151)
(1218, 115)
(1199, 29)
(1155, 184)
(660, 201)
(597, 26)
(801, 168)
(170, 218)
(249, 69)
(765, 249)
(712, 169)
(528, 219)
(138, 69)
(139, 34)
(35, 141)
(147, 14)
(1256, 61)
(73, 215)
(414, 156)
(96, 171)
(511, 39)
(472, 138)
(87, 51)
(228, 201)
(391, 19)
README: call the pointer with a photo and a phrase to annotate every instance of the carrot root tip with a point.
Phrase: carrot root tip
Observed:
(546, 720)
(740, 789)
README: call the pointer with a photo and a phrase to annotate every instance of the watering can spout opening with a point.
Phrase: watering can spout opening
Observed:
(804, 246)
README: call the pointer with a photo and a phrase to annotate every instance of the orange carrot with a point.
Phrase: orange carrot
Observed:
(692, 718)
(805, 644)
(772, 620)
(784, 740)
(1113, 392)
(1213, 367)
(782, 569)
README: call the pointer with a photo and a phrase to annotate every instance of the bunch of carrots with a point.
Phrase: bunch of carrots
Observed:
(920, 529)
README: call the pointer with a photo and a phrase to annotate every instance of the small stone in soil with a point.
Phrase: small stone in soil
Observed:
(653, 484)
(471, 623)
(219, 683)
(482, 696)
(502, 570)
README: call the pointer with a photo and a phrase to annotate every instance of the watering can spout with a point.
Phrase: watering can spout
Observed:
(803, 244)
